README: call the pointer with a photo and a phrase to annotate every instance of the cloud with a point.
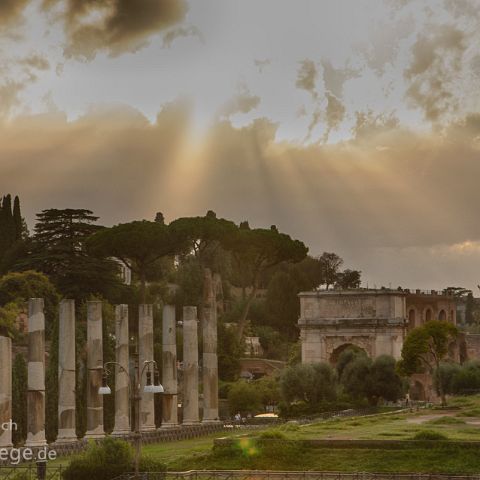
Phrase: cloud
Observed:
(383, 45)
(36, 61)
(334, 115)
(182, 32)
(111, 160)
(242, 102)
(334, 78)
(307, 77)
(9, 96)
(11, 12)
(114, 26)
(436, 62)
(389, 189)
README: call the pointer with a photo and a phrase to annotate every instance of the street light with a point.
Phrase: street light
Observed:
(135, 395)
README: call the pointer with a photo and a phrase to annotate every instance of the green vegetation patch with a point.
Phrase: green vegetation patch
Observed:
(446, 421)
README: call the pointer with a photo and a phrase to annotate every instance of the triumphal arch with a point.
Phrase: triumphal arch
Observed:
(331, 321)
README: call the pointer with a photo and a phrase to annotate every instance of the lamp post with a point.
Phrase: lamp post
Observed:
(135, 395)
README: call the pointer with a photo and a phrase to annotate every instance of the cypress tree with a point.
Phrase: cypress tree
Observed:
(17, 219)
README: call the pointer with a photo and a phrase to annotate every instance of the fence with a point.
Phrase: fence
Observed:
(272, 475)
(30, 472)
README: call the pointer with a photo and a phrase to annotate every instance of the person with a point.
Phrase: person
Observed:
(238, 417)
(407, 400)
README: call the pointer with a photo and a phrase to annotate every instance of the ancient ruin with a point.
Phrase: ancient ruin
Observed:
(66, 373)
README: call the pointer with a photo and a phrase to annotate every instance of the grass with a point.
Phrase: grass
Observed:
(250, 454)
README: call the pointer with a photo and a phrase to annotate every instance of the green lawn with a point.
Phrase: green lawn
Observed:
(461, 421)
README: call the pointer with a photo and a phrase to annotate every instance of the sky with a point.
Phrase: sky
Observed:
(353, 125)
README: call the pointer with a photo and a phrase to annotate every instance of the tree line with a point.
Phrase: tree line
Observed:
(68, 254)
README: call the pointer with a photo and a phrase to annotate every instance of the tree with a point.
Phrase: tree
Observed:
(384, 381)
(58, 249)
(282, 305)
(256, 251)
(350, 354)
(312, 384)
(138, 245)
(244, 397)
(356, 377)
(18, 287)
(13, 230)
(348, 279)
(330, 264)
(425, 347)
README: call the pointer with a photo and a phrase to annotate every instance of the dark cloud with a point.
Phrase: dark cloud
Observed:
(389, 189)
(115, 26)
(112, 160)
(11, 12)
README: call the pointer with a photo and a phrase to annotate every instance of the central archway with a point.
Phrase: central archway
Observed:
(343, 348)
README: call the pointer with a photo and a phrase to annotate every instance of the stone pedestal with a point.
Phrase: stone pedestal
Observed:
(122, 387)
(5, 392)
(190, 366)
(210, 359)
(66, 373)
(145, 341)
(36, 374)
(169, 368)
(94, 370)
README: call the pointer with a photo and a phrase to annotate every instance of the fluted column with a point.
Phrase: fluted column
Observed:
(5, 391)
(145, 337)
(169, 368)
(66, 372)
(210, 359)
(36, 374)
(190, 366)
(94, 367)
(122, 403)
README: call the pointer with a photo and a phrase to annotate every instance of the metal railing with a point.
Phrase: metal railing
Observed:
(29, 472)
(287, 475)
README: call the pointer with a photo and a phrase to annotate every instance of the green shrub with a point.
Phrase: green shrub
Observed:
(107, 460)
(273, 434)
(429, 435)
(149, 464)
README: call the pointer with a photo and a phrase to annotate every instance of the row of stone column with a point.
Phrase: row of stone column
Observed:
(67, 380)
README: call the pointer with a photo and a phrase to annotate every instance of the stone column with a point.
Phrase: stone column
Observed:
(169, 368)
(190, 366)
(66, 373)
(36, 375)
(122, 386)
(5, 391)
(94, 370)
(210, 360)
(145, 341)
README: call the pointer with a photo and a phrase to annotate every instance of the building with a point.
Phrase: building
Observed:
(376, 321)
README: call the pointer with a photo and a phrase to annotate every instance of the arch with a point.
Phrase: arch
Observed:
(412, 318)
(428, 314)
(417, 391)
(442, 316)
(452, 316)
(342, 348)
